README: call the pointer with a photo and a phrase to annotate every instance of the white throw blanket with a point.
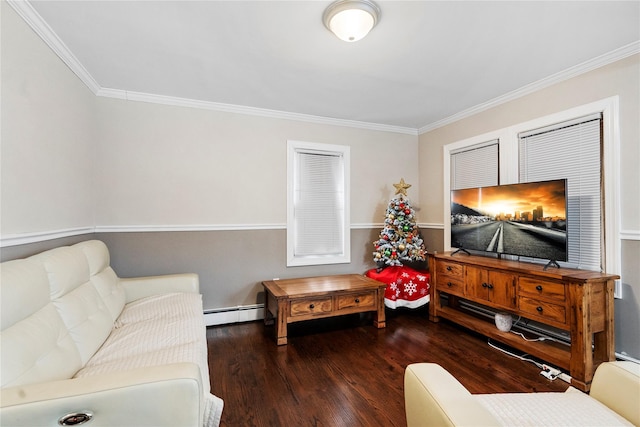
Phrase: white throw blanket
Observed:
(155, 331)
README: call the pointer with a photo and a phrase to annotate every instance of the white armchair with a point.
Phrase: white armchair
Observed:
(433, 397)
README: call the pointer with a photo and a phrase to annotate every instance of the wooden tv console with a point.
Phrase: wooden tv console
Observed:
(577, 301)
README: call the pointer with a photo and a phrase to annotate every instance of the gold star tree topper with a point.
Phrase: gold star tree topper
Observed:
(401, 187)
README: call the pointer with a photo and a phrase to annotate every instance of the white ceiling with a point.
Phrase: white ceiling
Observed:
(424, 62)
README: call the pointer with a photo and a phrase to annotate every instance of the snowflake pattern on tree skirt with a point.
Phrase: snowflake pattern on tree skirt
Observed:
(406, 287)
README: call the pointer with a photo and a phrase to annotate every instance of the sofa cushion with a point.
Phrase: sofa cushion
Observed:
(77, 300)
(20, 301)
(103, 277)
(36, 345)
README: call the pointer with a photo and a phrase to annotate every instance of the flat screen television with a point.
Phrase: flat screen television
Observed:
(527, 219)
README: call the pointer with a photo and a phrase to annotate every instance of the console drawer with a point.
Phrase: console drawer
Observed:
(541, 288)
(451, 269)
(306, 307)
(356, 300)
(451, 285)
(542, 310)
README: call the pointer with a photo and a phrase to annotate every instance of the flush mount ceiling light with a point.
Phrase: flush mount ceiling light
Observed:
(351, 20)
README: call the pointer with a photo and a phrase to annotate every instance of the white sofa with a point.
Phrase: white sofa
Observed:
(433, 397)
(79, 343)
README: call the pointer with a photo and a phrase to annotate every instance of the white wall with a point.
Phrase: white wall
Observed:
(73, 160)
(164, 165)
(47, 136)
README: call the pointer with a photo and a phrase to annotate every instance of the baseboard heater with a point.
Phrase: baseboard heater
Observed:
(237, 314)
(523, 325)
(534, 328)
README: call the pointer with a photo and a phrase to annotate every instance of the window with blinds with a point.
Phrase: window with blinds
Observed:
(571, 150)
(475, 166)
(318, 228)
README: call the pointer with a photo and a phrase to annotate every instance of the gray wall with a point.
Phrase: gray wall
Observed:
(626, 309)
(231, 264)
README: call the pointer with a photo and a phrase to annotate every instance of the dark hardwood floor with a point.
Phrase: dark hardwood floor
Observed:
(344, 372)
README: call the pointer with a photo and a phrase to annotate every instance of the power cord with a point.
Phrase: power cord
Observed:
(523, 357)
(529, 339)
(547, 371)
(540, 338)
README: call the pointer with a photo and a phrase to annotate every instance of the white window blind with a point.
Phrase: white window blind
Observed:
(571, 150)
(318, 204)
(475, 167)
(318, 214)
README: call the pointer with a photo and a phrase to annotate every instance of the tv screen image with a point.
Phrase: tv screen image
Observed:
(526, 219)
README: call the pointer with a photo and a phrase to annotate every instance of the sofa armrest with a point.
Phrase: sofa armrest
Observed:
(167, 395)
(140, 287)
(617, 385)
(433, 397)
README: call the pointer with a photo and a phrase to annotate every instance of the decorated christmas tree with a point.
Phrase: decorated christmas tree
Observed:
(399, 240)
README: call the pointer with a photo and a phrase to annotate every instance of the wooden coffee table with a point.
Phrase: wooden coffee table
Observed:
(296, 300)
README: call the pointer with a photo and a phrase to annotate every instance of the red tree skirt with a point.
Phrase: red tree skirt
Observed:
(406, 287)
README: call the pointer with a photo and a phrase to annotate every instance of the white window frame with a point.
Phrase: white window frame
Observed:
(293, 148)
(508, 161)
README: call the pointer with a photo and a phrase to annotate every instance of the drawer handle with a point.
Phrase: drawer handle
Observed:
(539, 309)
(357, 300)
(449, 268)
(539, 287)
(484, 285)
(312, 306)
(490, 285)
(449, 284)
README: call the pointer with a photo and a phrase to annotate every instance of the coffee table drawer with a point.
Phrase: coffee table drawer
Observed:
(306, 307)
(365, 299)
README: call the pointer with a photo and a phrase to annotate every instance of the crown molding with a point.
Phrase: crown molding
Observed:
(46, 33)
(252, 111)
(585, 67)
(26, 11)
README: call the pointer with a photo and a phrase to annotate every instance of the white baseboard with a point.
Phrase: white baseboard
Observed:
(241, 313)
